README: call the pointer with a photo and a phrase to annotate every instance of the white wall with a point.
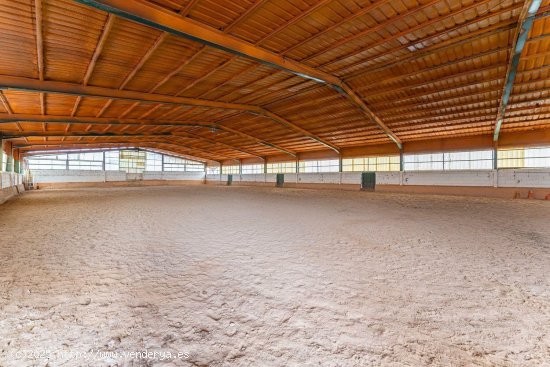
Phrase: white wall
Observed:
(524, 178)
(9, 179)
(255, 177)
(57, 176)
(531, 178)
(449, 178)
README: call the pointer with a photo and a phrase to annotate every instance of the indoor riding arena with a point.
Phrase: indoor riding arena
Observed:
(275, 183)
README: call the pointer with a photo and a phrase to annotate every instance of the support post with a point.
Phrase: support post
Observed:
(401, 166)
(9, 160)
(240, 166)
(340, 164)
(495, 157)
(1, 152)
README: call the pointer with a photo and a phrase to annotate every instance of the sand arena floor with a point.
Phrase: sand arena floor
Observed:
(267, 277)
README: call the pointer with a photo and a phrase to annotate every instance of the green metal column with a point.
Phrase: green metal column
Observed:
(17, 165)
(9, 162)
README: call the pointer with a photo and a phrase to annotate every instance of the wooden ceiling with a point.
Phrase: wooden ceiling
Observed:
(221, 80)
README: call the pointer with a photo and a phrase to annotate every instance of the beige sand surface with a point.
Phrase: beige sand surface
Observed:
(273, 277)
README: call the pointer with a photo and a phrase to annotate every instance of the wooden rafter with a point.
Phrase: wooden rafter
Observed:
(93, 61)
(258, 4)
(202, 155)
(428, 51)
(146, 139)
(174, 134)
(160, 39)
(25, 84)
(39, 34)
(88, 121)
(172, 23)
(367, 9)
(5, 103)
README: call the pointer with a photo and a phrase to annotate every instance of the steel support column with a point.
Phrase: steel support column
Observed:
(525, 22)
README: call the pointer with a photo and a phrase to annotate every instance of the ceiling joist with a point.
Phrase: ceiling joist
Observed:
(33, 85)
(158, 18)
(27, 118)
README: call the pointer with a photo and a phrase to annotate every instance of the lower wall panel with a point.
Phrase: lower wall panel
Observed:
(9, 179)
(10, 192)
(504, 183)
(500, 183)
(81, 178)
(476, 191)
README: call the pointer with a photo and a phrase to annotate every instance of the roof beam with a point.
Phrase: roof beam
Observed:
(173, 134)
(525, 22)
(193, 150)
(388, 39)
(171, 22)
(39, 49)
(39, 38)
(98, 49)
(19, 118)
(33, 85)
(160, 39)
(149, 146)
(5, 103)
(159, 18)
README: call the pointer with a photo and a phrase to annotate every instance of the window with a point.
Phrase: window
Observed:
(371, 164)
(282, 167)
(213, 170)
(192, 166)
(470, 160)
(524, 158)
(174, 164)
(153, 162)
(51, 161)
(112, 160)
(482, 159)
(332, 165)
(423, 162)
(132, 161)
(253, 168)
(230, 170)
(89, 161)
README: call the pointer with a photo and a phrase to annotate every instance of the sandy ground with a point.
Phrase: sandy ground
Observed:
(230, 276)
